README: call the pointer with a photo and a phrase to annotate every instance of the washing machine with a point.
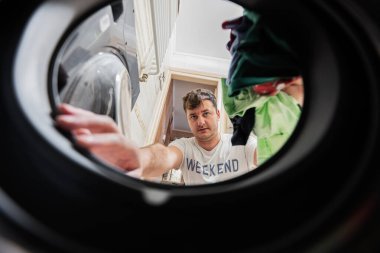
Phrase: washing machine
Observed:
(97, 68)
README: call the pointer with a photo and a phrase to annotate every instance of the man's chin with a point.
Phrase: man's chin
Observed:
(203, 136)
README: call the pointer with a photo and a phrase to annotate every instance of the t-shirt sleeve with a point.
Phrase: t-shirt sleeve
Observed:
(250, 148)
(181, 145)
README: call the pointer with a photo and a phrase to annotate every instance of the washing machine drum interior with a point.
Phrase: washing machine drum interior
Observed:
(324, 184)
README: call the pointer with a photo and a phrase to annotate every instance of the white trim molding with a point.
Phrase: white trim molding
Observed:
(205, 65)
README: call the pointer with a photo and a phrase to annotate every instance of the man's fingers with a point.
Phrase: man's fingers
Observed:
(112, 148)
(81, 131)
(100, 135)
(99, 140)
(72, 118)
(94, 123)
(71, 110)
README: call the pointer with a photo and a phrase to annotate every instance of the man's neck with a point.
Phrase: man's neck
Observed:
(209, 144)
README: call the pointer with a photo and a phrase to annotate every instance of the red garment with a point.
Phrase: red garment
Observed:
(271, 88)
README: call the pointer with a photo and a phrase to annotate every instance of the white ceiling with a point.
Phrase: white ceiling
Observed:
(199, 30)
(200, 41)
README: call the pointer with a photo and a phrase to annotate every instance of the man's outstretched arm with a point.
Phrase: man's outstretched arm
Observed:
(100, 135)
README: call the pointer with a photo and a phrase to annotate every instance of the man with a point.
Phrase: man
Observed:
(208, 157)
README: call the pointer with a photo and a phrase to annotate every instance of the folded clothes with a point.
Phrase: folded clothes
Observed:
(258, 55)
(273, 120)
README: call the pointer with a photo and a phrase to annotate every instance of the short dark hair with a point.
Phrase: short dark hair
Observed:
(193, 98)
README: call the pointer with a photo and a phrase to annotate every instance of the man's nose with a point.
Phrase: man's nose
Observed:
(201, 121)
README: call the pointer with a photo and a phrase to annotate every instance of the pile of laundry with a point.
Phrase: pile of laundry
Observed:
(262, 66)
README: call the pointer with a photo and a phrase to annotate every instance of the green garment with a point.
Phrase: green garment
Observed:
(258, 55)
(275, 117)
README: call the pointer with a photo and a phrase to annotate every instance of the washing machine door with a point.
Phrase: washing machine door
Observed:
(97, 64)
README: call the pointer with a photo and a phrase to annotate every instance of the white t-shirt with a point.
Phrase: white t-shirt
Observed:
(224, 162)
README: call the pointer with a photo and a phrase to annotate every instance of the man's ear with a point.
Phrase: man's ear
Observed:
(218, 113)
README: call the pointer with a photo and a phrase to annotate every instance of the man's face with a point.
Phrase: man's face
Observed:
(203, 121)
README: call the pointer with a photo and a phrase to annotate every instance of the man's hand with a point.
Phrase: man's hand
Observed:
(100, 135)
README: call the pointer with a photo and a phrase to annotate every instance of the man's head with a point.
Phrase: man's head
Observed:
(202, 114)
(194, 98)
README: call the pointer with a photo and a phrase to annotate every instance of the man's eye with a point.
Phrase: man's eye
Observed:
(205, 114)
(193, 117)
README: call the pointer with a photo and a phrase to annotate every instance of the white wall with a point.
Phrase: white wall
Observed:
(199, 28)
